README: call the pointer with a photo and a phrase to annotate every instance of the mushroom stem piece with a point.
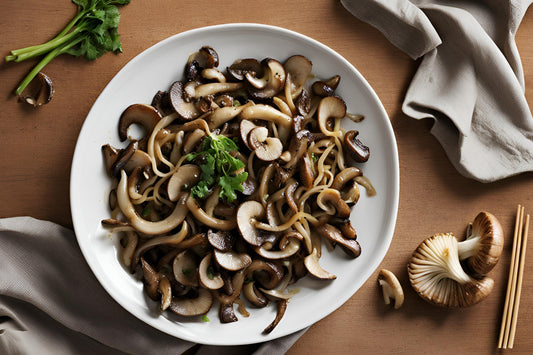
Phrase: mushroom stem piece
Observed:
(391, 287)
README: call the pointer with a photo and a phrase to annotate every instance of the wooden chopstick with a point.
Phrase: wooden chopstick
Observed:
(519, 284)
(514, 283)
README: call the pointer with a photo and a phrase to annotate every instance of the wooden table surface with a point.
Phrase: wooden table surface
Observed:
(37, 148)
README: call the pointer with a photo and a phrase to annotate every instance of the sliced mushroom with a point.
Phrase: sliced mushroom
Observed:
(39, 92)
(213, 74)
(227, 313)
(266, 148)
(144, 115)
(357, 150)
(186, 110)
(282, 307)
(299, 68)
(330, 107)
(150, 279)
(221, 240)
(272, 81)
(330, 201)
(391, 288)
(185, 268)
(483, 246)
(184, 177)
(436, 274)
(190, 307)
(242, 66)
(123, 157)
(231, 260)
(350, 246)
(245, 127)
(312, 265)
(110, 156)
(268, 274)
(206, 275)
(326, 88)
(253, 295)
(246, 214)
(345, 182)
(165, 289)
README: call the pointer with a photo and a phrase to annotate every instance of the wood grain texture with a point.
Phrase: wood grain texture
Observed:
(37, 148)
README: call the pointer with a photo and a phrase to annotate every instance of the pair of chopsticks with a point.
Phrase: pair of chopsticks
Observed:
(514, 284)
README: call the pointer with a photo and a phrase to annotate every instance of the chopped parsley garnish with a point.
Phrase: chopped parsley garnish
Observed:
(218, 167)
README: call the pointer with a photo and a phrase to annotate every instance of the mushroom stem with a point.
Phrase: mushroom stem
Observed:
(468, 247)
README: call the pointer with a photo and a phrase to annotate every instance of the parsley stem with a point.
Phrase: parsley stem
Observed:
(46, 47)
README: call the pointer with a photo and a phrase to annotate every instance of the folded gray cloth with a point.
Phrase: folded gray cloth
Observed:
(51, 303)
(470, 78)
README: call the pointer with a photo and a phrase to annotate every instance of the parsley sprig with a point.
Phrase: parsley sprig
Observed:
(91, 33)
(218, 167)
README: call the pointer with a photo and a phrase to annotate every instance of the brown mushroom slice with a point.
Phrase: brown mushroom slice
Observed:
(150, 279)
(268, 274)
(165, 289)
(299, 68)
(330, 107)
(245, 127)
(345, 182)
(266, 148)
(138, 159)
(123, 156)
(186, 175)
(185, 268)
(206, 275)
(436, 274)
(357, 150)
(254, 296)
(110, 157)
(246, 213)
(306, 172)
(147, 227)
(483, 246)
(221, 240)
(331, 202)
(190, 307)
(327, 87)
(290, 249)
(205, 90)
(186, 110)
(232, 260)
(144, 115)
(210, 221)
(240, 67)
(280, 311)
(39, 92)
(391, 288)
(312, 265)
(350, 246)
(226, 313)
(271, 83)
(206, 57)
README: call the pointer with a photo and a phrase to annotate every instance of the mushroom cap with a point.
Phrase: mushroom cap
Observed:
(246, 212)
(145, 115)
(483, 247)
(436, 274)
(266, 148)
(189, 307)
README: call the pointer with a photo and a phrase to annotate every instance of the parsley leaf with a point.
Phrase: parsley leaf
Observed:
(218, 167)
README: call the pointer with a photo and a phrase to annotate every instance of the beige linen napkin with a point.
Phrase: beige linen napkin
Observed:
(51, 303)
(469, 81)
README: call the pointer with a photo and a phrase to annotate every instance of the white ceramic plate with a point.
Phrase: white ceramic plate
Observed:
(155, 69)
